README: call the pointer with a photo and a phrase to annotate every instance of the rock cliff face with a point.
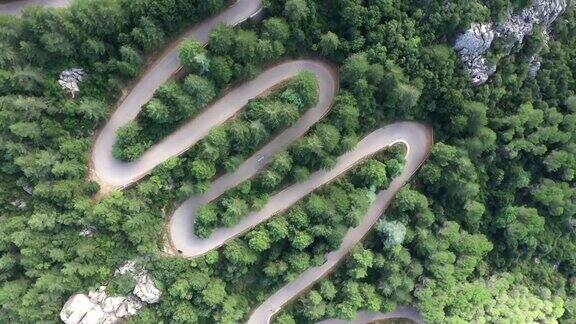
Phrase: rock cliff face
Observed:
(475, 42)
(542, 12)
(99, 308)
(471, 46)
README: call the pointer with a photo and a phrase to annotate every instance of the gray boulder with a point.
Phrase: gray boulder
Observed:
(69, 80)
(99, 308)
(475, 42)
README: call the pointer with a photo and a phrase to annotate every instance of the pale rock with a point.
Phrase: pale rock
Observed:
(535, 65)
(145, 288)
(97, 316)
(28, 189)
(99, 295)
(130, 306)
(69, 80)
(541, 12)
(76, 308)
(475, 42)
(19, 203)
(128, 267)
(471, 46)
(99, 308)
(572, 224)
(88, 231)
(111, 304)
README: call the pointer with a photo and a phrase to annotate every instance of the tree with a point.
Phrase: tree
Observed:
(215, 293)
(192, 55)
(127, 146)
(235, 209)
(359, 262)
(313, 306)
(28, 80)
(222, 39)
(239, 253)
(302, 240)
(329, 43)
(282, 163)
(203, 170)
(296, 10)
(121, 285)
(329, 135)
(221, 70)
(246, 45)
(185, 313)
(297, 217)
(92, 109)
(269, 180)
(206, 217)
(147, 34)
(259, 240)
(235, 307)
(355, 68)
(301, 173)
(131, 61)
(285, 319)
(26, 130)
(277, 115)
(277, 229)
(403, 98)
(372, 174)
(157, 112)
(393, 232)
(571, 103)
(276, 28)
(346, 112)
(557, 197)
(200, 89)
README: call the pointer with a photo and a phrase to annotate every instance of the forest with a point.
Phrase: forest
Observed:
(485, 231)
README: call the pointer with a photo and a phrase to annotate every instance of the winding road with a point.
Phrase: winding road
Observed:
(370, 317)
(15, 7)
(115, 174)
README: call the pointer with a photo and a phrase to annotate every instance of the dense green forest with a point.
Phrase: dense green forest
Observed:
(485, 231)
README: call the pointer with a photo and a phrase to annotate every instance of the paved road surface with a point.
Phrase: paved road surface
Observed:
(182, 222)
(418, 139)
(117, 174)
(369, 317)
(114, 173)
(15, 7)
(111, 173)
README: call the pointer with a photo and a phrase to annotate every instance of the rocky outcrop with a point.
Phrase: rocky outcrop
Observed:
(535, 65)
(472, 45)
(28, 188)
(88, 231)
(69, 80)
(98, 307)
(541, 12)
(475, 42)
(146, 290)
(19, 203)
(76, 309)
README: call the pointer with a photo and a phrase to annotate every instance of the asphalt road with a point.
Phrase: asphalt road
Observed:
(370, 317)
(182, 222)
(418, 140)
(115, 174)
(15, 7)
(112, 173)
